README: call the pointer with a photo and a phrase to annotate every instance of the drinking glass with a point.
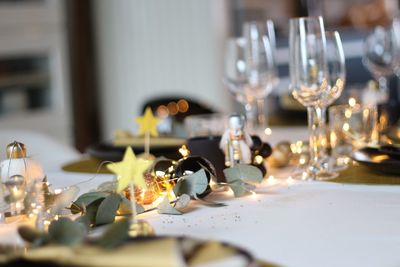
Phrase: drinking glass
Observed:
(337, 79)
(351, 127)
(309, 80)
(249, 71)
(380, 57)
(270, 33)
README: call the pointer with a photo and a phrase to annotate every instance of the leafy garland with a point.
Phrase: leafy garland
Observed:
(189, 180)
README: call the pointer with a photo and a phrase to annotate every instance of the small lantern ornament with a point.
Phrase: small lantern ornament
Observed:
(19, 175)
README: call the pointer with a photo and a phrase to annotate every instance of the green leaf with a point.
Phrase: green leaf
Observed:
(29, 234)
(64, 199)
(125, 207)
(243, 172)
(115, 234)
(75, 209)
(84, 220)
(66, 232)
(88, 198)
(193, 184)
(182, 202)
(166, 208)
(91, 210)
(108, 209)
(238, 188)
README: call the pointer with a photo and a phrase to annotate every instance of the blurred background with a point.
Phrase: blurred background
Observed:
(77, 70)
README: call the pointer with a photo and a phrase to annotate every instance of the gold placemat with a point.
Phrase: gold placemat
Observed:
(359, 174)
(161, 252)
(86, 165)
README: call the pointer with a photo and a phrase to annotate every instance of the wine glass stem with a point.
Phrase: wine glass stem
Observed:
(315, 119)
(324, 139)
(250, 114)
(262, 119)
(255, 115)
(382, 82)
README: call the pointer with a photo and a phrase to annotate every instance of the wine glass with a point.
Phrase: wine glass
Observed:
(249, 71)
(309, 81)
(337, 79)
(380, 57)
(270, 33)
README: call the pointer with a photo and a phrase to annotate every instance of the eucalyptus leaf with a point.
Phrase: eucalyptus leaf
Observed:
(108, 209)
(84, 220)
(238, 188)
(166, 208)
(88, 198)
(66, 232)
(116, 234)
(243, 172)
(29, 234)
(193, 184)
(182, 202)
(64, 199)
(75, 209)
(91, 210)
(125, 207)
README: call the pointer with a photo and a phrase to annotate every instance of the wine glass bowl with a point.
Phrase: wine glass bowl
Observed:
(244, 79)
(336, 66)
(379, 56)
(308, 68)
(250, 71)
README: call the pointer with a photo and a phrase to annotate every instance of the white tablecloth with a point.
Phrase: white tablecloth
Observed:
(288, 222)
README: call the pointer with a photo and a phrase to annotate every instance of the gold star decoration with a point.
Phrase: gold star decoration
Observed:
(148, 123)
(130, 169)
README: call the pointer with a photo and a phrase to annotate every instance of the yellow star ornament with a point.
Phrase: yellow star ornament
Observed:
(148, 123)
(130, 169)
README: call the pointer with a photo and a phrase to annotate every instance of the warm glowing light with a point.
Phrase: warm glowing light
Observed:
(352, 101)
(162, 111)
(184, 151)
(347, 113)
(268, 131)
(366, 113)
(173, 108)
(346, 127)
(271, 180)
(258, 159)
(57, 191)
(159, 173)
(302, 161)
(183, 106)
(293, 148)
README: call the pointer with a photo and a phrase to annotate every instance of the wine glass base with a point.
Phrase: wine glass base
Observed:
(322, 175)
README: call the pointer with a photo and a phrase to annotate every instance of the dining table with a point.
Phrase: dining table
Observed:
(287, 222)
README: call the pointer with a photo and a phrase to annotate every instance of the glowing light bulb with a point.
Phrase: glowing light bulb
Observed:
(268, 131)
